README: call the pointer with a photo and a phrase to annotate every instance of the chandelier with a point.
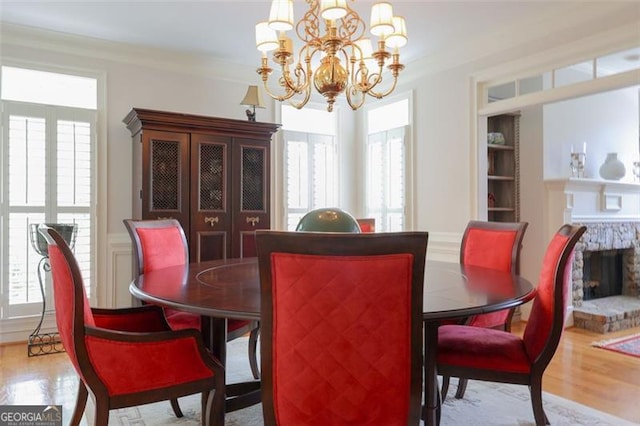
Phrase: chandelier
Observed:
(334, 42)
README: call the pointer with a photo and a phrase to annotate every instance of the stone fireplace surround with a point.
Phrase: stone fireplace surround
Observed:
(611, 212)
(614, 313)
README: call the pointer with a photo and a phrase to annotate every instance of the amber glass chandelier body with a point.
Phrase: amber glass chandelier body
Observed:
(333, 35)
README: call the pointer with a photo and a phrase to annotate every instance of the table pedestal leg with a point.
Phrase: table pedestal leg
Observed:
(238, 395)
(431, 409)
(214, 333)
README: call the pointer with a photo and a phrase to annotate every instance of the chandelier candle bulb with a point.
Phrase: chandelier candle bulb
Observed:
(334, 58)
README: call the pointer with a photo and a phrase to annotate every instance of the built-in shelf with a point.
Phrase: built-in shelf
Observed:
(503, 169)
(492, 147)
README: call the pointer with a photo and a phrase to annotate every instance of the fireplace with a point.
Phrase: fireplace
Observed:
(607, 262)
(606, 265)
(602, 274)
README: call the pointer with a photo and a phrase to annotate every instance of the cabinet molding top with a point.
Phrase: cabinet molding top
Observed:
(163, 120)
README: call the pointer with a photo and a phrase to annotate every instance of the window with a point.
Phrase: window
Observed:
(47, 157)
(386, 166)
(311, 173)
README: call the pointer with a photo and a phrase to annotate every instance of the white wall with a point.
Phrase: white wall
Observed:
(532, 194)
(607, 122)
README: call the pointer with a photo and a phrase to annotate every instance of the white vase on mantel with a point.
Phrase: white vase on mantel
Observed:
(612, 168)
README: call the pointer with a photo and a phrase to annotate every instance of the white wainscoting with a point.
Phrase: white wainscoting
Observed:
(112, 291)
(115, 293)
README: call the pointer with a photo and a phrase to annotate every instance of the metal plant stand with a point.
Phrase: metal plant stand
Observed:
(47, 343)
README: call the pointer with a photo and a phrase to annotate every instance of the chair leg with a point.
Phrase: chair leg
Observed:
(462, 387)
(81, 403)
(102, 413)
(445, 386)
(253, 349)
(176, 407)
(204, 417)
(214, 413)
(536, 401)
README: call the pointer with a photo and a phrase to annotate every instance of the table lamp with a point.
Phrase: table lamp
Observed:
(252, 99)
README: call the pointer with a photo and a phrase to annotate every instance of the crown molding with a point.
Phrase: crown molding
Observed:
(88, 47)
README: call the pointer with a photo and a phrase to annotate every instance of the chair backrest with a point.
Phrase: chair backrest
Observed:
(341, 327)
(72, 308)
(546, 320)
(494, 245)
(157, 244)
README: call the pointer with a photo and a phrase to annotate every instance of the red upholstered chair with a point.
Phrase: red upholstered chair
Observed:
(162, 243)
(128, 357)
(494, 245)
(499, 356)
(341, 327)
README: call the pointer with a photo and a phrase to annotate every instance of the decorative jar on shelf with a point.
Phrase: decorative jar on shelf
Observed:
(612, 168)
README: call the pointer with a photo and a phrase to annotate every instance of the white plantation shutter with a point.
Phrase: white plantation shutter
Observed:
(310, 173)
(48, 177)
(385, 200)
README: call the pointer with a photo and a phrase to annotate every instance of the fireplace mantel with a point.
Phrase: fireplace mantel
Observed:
(592, 200)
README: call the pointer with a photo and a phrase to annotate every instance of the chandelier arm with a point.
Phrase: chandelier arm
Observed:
(354, 105)
(279, 98)
(303, 102)
(352, 27)
(308, 27)
(379, 95)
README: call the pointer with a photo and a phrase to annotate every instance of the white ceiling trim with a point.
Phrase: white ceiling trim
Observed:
(185, 63)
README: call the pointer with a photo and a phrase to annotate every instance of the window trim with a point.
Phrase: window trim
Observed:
(410, 157)
(104, 295)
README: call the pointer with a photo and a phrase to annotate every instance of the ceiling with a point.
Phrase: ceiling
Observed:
(224, 30)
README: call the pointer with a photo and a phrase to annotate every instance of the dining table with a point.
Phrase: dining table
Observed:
(230, 289)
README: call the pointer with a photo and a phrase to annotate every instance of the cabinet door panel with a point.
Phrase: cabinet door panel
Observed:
(210, 197)
(251, 199)
(165, 168)
(210, 245)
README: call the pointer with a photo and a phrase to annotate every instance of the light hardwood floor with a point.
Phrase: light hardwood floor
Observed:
(604, 380)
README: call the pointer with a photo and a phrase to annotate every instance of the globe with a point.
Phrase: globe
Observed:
(328, 220)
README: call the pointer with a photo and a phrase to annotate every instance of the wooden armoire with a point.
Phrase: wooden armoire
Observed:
(211, 174)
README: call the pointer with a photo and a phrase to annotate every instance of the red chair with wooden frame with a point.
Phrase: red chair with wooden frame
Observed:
(128, 357)
(341, 318)
(494, 245)
(162, 243)
(499, 356)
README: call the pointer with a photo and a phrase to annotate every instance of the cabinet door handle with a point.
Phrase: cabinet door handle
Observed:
(164, 217)
(253, 220)
(211, 220)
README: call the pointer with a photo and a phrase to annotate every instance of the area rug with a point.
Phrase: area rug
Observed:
(484, 404)
(628, 345)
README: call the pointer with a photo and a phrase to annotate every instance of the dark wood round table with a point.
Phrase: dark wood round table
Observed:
(223, 289)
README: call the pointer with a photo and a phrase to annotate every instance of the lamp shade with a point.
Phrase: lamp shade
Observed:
(328, 220)
(253, 97)
(381, 19)
(398, 37)
(281, 15)
(266, 38)
(333, 9)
